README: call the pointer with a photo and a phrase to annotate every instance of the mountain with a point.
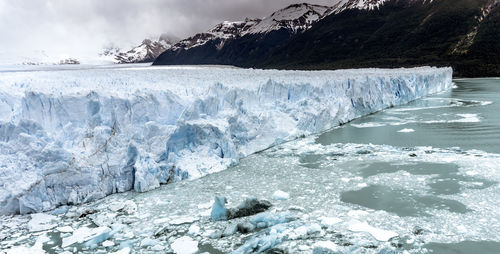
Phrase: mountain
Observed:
(146, 52)
(231, 42)
(463, 34)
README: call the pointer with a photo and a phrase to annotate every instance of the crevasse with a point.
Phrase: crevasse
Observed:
(72, 136)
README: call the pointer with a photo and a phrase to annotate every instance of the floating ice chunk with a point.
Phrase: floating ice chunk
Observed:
(362, 185)
(184, 245)
(325, 247)
(368, 125)
(41, 221)
(296, 208)
(280, 195)
(206, 205)
(260, 244)
(161, 220)
(267, 239)
(116, 206)
(379, 234)
(107, 243)
(158, 247)
(194, 230)
(304, 231)
(357, 213)
(219, 211)
(125, 250)
(406, 130)
(303, 247)
(467, 118)
(129, 207)
(183, 220)
(230, 230)
(60, 210)
(146, 242)
(329, 221)
(65, 229)
(37, 248)
(270, 219)
(89, 236)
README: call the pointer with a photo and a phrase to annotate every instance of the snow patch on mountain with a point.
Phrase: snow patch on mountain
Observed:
(223, 31)
(72, 136)
(343, 5)
(363, 4)
(146, 52)
(297, 17)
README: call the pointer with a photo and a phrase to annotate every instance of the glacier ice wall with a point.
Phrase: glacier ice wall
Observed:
(72, 136)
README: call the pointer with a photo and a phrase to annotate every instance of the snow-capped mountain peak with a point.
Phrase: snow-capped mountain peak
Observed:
(295, 17)
(364, 4)
(357, 4)
(229, 29)
(147, 51)
(343, 5)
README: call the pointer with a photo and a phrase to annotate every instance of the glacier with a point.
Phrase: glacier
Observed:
(75, 135)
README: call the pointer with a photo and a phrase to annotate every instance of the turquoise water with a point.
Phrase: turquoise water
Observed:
(468, 117)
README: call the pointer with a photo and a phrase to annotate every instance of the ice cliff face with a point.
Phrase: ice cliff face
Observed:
(68, 137)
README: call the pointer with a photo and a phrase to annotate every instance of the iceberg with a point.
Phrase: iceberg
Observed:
(73, 136)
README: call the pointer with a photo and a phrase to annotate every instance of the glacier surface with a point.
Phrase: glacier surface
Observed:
(72, 136)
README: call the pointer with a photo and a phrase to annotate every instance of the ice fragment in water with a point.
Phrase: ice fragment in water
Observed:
(184, 245)
(219, 211)
(379, 234)
(280, 195)
(325, 247)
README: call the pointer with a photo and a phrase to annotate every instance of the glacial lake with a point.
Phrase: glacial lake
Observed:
(427, 172)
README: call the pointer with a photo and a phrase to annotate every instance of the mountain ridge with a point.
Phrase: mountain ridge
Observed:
(145, 52)
(463, 34)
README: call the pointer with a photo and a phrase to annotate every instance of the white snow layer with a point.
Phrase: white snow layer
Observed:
(72, 136)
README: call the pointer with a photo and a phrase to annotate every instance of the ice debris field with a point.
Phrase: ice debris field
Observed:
(73, 136)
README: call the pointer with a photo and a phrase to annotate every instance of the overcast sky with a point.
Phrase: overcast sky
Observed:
(74, 27)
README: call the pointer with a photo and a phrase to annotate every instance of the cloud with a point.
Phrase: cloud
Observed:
(76, 27)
